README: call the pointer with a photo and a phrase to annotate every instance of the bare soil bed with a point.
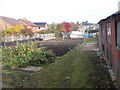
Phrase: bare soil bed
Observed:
(60, 46)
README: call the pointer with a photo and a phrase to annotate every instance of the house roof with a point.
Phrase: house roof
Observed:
(40, 24)
(28, 22)
(11, 21)
(113, 15)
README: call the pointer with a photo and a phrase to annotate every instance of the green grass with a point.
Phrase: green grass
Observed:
(12, 77)
(91, 39)
(77, 69)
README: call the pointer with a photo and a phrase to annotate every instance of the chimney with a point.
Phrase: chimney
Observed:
(119, 6)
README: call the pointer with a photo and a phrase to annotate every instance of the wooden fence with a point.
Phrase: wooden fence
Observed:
(21, 37)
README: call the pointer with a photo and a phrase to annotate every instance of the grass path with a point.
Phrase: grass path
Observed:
(77, 69)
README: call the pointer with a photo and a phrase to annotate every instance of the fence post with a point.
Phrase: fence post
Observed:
(21, 37)
(17, 40)
(4, 39)
(52, 36)
(37, 35)
(12, 38)
(28, 38)
(44, 36)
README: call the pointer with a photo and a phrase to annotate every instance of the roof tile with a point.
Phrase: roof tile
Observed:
(28, 22)
(11, 21)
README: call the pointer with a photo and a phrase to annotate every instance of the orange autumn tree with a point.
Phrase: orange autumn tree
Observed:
(74, 26)
(64, 27)
(61, 28)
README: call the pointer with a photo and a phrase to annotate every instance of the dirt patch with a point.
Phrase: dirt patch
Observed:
(60, 47)
(90, 47)
(31, 68)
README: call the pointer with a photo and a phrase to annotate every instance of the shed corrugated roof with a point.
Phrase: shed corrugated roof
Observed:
(11, 21)
(113, 15)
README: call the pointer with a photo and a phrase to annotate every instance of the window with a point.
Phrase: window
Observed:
(102, 32)
(108, 32)
(118, 35)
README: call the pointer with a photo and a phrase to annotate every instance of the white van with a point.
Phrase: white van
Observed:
(77, 34)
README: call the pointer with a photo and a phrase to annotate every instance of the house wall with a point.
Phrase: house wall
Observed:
(44, 27)
(4, 25)
(35, 29)
(110, 52)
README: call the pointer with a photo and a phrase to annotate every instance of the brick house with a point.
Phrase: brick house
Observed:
(29, 24)
(7, 23)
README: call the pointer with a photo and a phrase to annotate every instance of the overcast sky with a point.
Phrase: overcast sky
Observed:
(58, 10)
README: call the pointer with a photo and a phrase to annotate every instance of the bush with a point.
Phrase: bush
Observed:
(26, 55)
(18, 30)
(93, 31)
(46, 31)
(27, 32)
(41, 57)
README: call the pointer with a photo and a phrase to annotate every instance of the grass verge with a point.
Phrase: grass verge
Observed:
(77, 69)
(12, 77)
(91, 39)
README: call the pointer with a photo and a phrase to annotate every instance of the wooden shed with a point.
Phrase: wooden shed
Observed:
(109, 42)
